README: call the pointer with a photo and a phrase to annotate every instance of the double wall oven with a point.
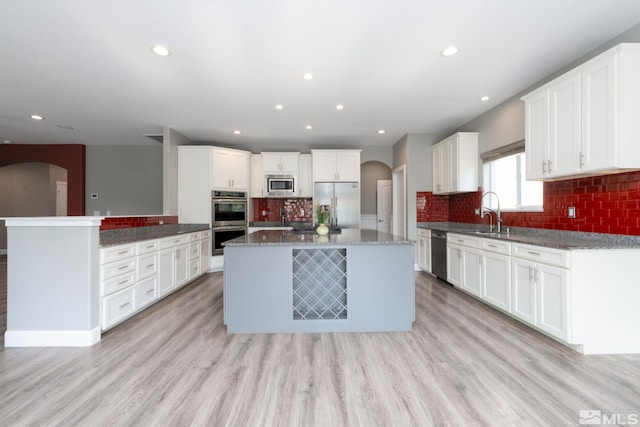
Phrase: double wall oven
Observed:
(228, 217)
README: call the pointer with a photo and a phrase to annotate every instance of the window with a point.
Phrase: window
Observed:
(505, 176)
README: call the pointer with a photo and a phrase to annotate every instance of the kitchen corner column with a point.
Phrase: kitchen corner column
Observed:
(52, 282)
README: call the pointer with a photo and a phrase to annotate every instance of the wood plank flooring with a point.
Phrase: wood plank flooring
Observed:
(463, 364)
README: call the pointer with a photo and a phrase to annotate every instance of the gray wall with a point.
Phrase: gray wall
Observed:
(370, 173)
(377, 154)
(170, 142)
(28, 189)
(127, 179)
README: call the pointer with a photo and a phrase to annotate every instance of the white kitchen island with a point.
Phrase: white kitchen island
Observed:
(282, 281)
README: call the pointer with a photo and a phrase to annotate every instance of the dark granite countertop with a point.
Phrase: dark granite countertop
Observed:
(348, 236)
(542, 237)
(279, 224)
(126, 235)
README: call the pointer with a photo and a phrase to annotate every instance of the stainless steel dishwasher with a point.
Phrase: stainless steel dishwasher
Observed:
(439, 253)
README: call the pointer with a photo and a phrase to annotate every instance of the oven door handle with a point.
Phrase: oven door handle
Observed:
(228, 228)
(233, 201)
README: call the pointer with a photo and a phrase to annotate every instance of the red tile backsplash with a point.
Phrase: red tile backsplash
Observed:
(111, 223)
(604, 204)
(296, 210)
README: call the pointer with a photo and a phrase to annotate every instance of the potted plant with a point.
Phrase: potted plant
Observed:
(322, 215)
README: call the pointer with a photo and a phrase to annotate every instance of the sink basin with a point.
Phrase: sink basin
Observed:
(313, 229)
(488, 233)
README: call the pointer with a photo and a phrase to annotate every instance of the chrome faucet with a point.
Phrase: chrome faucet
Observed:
(283, 215)
(484, 211)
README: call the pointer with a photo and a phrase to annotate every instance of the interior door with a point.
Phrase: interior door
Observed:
(384, 205)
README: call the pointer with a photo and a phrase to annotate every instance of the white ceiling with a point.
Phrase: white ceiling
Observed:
(88, 65)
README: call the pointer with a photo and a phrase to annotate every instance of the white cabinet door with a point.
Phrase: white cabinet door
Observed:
(348, 166)
(336, 165)
(229, 169)
(496, 280)
(289, 162)
(552, 300)
(564, 126)
(305, 176)
(440, 168)
(523, 303)
(166, 272)
(181, 257)
(280, 162)
(599, 145)
(471, 273)
(205, 255)
(424, 253)
(454, 264)
(536, 127)
(257, 176)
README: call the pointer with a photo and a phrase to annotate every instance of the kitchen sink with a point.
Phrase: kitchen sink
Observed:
(309, 230)
(488, 233)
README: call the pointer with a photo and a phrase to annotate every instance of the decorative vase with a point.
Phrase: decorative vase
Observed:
(322, 230)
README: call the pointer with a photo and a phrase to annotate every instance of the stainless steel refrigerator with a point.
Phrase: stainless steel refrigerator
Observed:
(344, 199)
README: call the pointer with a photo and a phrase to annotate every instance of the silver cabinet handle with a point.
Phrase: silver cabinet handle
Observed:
(150, 291)
(149, 265)
(124, 305)
(536, 274)
(123, 267)
(123, 252)
(544, 166)
(491, 246)
(549, 166)
(530, 274)
(533, 253)
(123, 282)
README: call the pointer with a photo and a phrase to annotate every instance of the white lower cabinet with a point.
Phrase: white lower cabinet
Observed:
(117, 307)
(541, 296)
(464, 263)
(496, 273)
(135, 275)
(424, 250)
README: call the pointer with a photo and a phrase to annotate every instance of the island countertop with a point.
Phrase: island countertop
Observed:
(348, 236)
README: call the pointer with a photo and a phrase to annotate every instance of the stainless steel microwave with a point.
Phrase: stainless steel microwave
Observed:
(281, 185)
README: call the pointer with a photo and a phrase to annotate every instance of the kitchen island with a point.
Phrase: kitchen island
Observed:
(352, 281)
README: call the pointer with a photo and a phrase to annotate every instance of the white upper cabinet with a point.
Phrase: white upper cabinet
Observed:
(279, 163)
(305, 176)
(455, 164)
(336, 165)
(257, 176)
(230, 169)
(585, 122)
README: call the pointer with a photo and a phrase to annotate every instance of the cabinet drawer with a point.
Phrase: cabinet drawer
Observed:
(174, 241)
(113, 269)
(145, 292)
(496, 246)
(205, 234)
(117, 307)
(194, 250)
(147, 265)
(423, 232)
(194, 268)
(115, 253)
(115, 284)
(541, 254)
(460, 239)
(194, 236)
(147, 246)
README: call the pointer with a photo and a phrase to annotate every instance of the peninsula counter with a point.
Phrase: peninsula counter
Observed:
(282, 281)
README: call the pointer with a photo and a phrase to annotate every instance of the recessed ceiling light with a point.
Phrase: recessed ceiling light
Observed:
(161, 50)
(279, 107)
(484, 98)
(236, 132)
(309, 127)
(449, 51)
(381, 132)
(339, 107)
(308, 76)
(36, 117)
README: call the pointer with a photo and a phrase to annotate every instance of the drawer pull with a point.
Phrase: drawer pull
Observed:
(124, 305)
(150, 265)
(460, 240)
(176, 241)
(150, 291)
(492, 246)
(123, 267)
(123, 252)
(533, 253)
(123, 282)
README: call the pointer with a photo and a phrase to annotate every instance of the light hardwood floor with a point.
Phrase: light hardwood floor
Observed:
(462, 364)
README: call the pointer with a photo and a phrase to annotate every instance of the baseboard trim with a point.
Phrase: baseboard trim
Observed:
(51, 338)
